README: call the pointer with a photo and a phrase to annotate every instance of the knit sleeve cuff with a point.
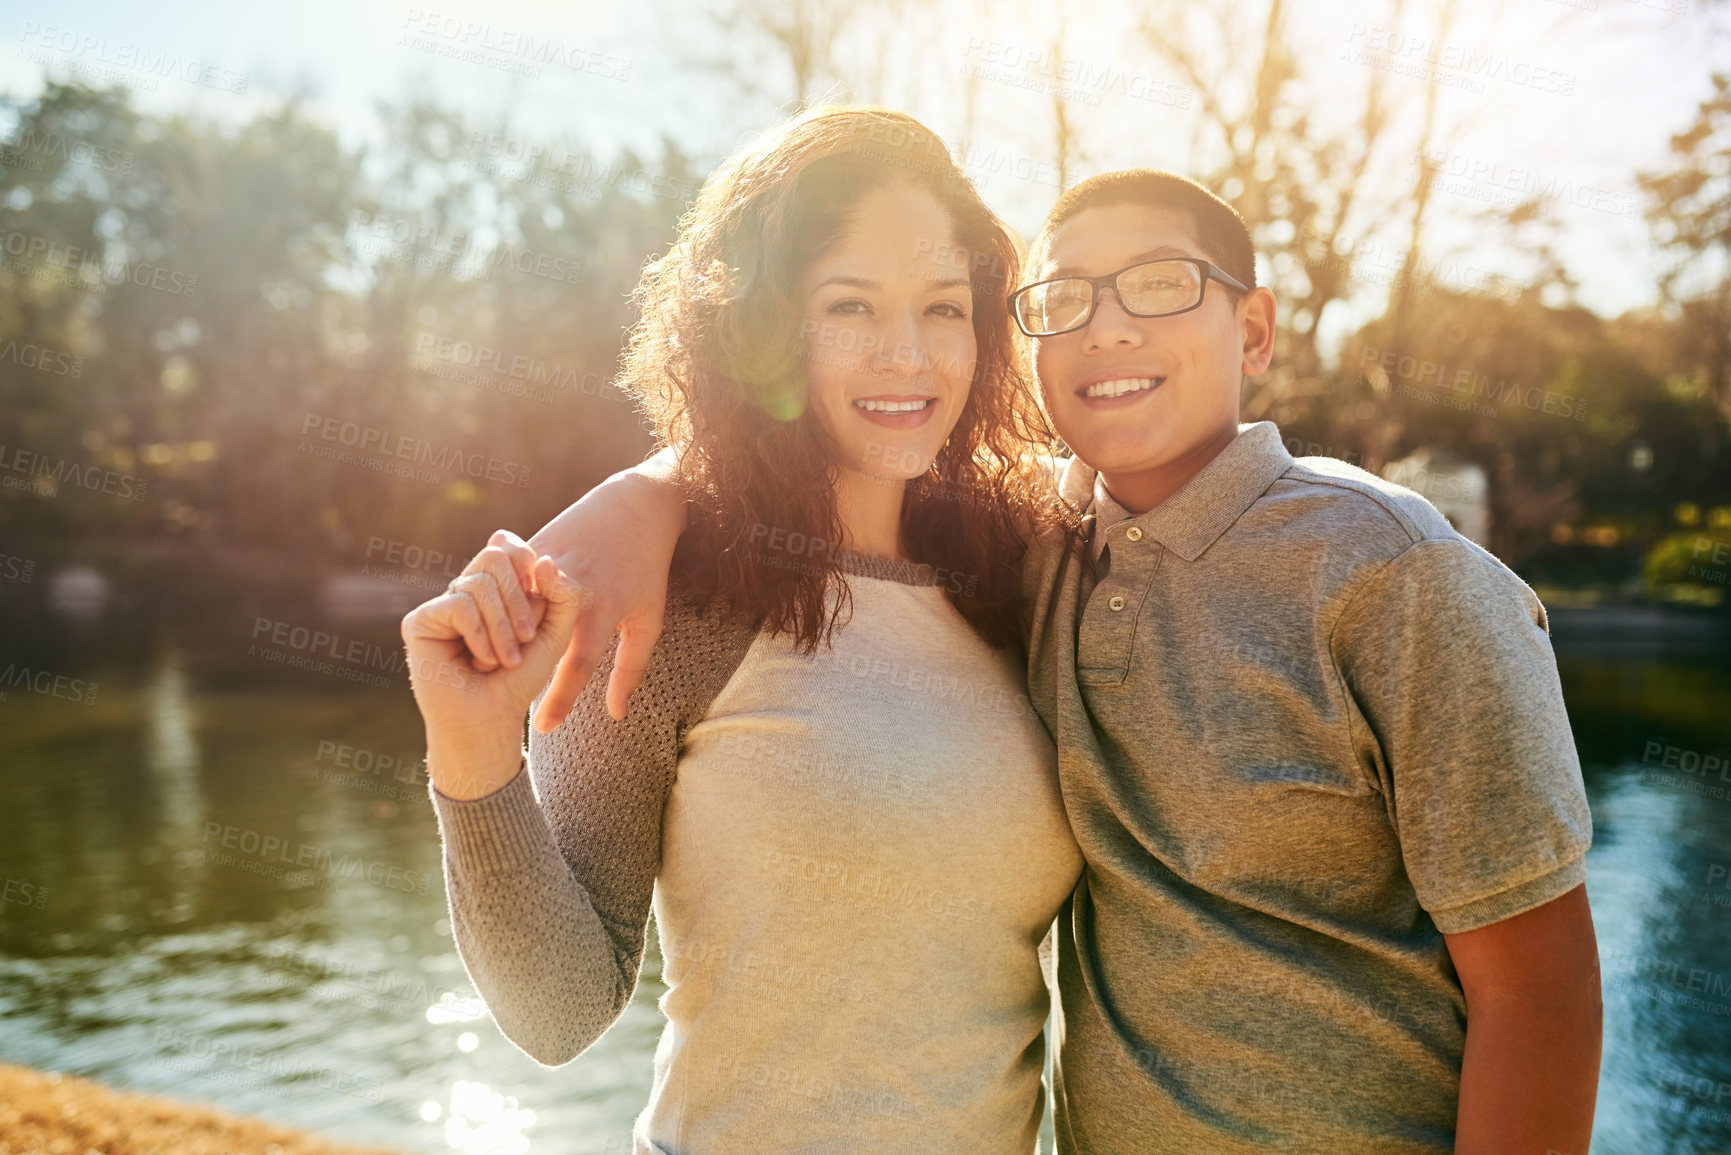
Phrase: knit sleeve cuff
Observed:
(504, 831)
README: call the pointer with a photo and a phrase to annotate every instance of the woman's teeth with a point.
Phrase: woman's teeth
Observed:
(894, 406)
(1121, 386)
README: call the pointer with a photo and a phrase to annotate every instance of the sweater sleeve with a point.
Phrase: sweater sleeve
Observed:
(550, 877)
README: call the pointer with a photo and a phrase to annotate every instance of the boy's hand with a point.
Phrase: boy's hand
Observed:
(616, 544)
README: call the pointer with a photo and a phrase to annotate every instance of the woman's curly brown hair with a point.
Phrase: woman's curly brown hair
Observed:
(717, 361)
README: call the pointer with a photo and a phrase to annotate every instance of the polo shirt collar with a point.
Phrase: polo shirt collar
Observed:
(1193, 519)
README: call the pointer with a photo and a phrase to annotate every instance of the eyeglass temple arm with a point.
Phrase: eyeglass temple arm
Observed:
(1225, 278)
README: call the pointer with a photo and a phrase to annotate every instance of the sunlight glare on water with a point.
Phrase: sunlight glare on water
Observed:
(484, 1122)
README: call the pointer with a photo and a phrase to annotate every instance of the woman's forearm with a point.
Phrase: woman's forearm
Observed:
(526, 929)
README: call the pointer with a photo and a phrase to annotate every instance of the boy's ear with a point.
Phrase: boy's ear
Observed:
(1256, 324)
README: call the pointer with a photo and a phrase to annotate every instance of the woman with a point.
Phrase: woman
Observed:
(830, 784)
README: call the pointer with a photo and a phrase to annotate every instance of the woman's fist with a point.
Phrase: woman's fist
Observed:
(478, 656)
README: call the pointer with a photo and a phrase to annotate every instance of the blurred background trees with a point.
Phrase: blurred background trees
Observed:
(208, 290)
(180, 297)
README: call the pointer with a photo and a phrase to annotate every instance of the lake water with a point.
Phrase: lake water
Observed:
(320, 987)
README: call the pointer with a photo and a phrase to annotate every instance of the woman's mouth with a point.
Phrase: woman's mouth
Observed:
(896, 412)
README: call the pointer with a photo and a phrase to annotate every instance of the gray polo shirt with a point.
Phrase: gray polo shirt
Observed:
(1304, 729)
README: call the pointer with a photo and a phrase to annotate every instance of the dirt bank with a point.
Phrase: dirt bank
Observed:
(53, 1114)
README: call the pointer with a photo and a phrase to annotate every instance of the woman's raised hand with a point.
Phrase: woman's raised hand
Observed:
(480, 653)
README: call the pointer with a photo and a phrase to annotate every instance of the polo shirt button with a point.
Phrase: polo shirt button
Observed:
(1117, 603)
(1134, 533)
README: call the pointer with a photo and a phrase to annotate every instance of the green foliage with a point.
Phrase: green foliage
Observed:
(210, 293)
(1577, 420)
(1690, 210)
(209, 312)
(1697, 558)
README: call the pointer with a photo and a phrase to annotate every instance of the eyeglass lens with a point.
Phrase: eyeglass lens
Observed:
(1147, 290)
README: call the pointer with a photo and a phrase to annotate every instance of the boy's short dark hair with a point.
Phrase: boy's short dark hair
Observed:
(1224, 236)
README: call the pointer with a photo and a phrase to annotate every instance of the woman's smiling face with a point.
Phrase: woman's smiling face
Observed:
(889, 334)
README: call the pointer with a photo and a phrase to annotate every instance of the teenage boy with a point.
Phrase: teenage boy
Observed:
(1311, 741)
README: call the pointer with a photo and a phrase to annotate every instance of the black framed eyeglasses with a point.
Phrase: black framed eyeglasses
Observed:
(1158, 288)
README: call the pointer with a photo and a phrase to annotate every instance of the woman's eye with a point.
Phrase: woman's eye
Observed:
(949, 309)
(852, 306)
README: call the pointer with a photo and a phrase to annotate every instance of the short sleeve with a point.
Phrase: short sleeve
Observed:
(1445, 655)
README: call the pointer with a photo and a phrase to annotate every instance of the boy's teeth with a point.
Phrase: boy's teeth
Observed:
(1119, 387)
(894, 406)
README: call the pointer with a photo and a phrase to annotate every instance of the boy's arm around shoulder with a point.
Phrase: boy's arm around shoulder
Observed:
(616, 543)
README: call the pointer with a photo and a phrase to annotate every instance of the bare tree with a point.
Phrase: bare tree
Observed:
(1690, 212)
(804, 38)
(1305, 182)
(1064, 136)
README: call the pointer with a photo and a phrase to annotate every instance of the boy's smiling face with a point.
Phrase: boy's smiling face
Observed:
(1182, 372)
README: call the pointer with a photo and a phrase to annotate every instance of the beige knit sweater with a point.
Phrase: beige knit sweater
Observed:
(852, 856)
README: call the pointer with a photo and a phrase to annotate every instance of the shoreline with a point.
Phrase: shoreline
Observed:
(48, 1111)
